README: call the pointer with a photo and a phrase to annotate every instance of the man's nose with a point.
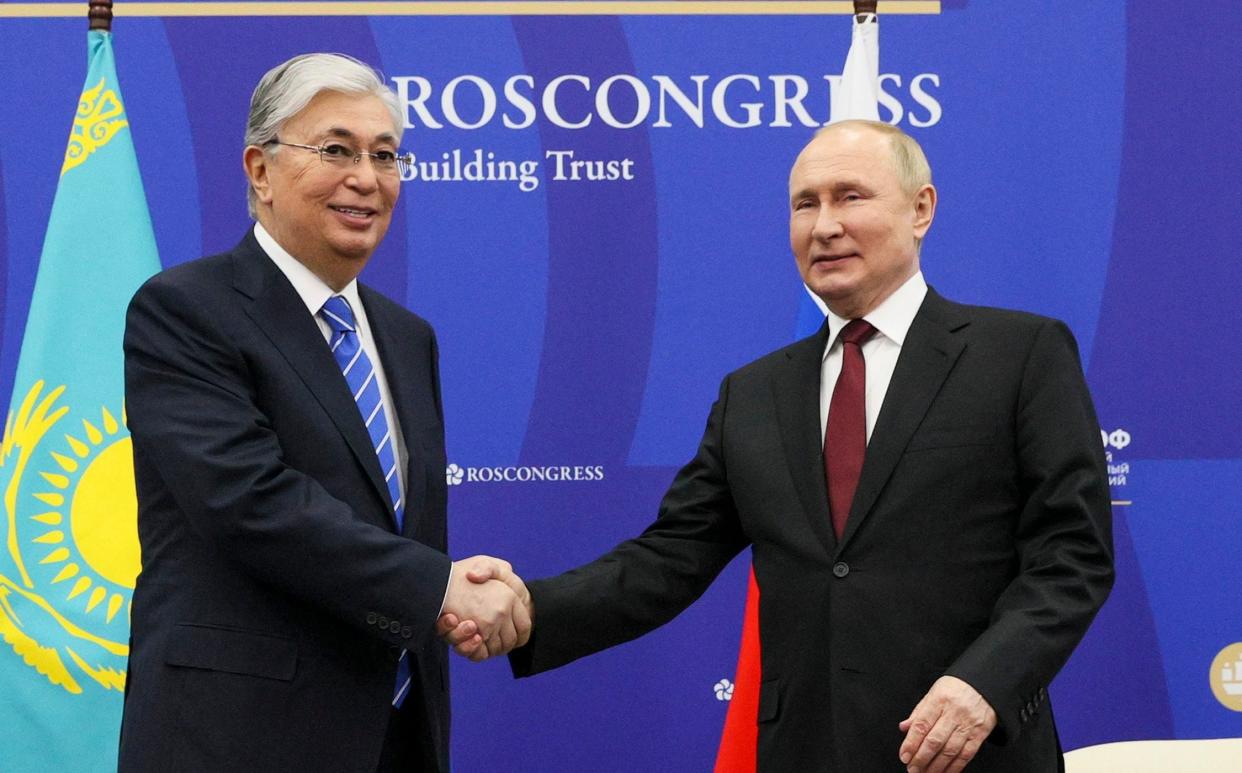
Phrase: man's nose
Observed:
(827, 224)
(362, 174)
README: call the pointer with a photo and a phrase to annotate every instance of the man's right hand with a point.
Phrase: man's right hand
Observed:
(487, 611)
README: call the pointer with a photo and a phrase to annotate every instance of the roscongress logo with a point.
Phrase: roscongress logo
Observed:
(624, 101)
(456, 475)
(574, 101)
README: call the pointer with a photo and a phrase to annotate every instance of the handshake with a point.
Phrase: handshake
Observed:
(487, 609)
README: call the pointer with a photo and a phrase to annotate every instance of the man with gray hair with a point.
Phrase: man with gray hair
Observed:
(289, 460)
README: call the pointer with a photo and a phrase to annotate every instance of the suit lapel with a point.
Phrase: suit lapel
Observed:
(795, 390)
(278, 311)
(400, 375)
(930, 350)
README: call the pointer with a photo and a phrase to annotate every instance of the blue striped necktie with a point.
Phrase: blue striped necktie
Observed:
(360, 376)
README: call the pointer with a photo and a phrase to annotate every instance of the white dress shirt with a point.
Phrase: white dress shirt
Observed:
(892, 320)
(314, 292)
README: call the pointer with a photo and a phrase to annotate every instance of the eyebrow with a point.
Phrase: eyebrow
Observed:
(836, 187)
(802, 194)
(343, 133)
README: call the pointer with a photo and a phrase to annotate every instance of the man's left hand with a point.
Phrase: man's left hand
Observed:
(946, 729)
(465, 635)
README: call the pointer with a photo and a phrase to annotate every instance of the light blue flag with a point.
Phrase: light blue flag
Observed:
(70, 552)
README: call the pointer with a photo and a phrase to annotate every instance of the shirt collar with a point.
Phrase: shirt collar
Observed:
(313, 291)
(892, 318)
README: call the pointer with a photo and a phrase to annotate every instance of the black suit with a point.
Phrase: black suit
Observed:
(979, 543)
(275, 596)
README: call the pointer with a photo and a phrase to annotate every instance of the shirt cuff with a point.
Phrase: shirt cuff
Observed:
(447, 583)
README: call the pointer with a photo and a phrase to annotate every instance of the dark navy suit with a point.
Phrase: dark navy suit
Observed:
(275, 596)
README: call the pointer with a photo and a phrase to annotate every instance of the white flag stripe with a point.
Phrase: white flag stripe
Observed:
(819, 302)
(857, 94)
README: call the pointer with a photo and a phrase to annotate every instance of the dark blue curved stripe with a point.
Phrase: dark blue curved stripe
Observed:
(147, 69)
(1119, 660)
(222, 60)
(478, 250)
(44, 63)
(1172, 278)
(602, 260)
(1165, 363)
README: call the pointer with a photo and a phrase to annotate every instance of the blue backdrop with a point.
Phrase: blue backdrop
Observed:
(1087, 170)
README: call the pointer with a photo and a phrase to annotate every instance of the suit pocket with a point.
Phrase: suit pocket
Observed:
(953, 437)
(769, 700)
(233, 651)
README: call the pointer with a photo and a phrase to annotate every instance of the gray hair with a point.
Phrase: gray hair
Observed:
(286, 89)
(909, 161)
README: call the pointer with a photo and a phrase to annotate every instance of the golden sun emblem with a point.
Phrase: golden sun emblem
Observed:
(71, 516)
(103, 508)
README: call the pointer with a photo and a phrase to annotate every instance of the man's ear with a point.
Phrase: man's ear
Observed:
(257, 166)
(924, 210)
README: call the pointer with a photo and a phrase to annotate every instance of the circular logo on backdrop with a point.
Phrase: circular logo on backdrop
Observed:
(1226, 677)
(453, 475)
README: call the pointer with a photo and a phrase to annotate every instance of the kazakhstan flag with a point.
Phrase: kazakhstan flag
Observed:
(70, 552)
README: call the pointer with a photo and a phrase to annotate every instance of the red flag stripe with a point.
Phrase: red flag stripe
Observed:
(739, 740)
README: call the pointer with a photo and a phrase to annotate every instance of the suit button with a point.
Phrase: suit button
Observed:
(840, 569)
(1043, 694)
(1030, 708)
(394, 626)
(382, 622)
(407, 632)
(371, 618)
(1022, 714)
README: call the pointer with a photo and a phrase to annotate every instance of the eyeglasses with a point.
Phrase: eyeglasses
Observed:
(339, 155)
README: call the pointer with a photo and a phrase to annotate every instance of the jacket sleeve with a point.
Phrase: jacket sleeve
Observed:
(647, 581)
(1063, 539)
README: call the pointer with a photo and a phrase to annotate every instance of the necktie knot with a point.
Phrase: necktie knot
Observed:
(858, 331)
(338, 314)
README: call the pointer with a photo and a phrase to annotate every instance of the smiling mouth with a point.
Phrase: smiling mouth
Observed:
(352, 211)
(831, 258)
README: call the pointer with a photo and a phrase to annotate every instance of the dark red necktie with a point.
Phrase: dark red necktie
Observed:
(845, 438)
